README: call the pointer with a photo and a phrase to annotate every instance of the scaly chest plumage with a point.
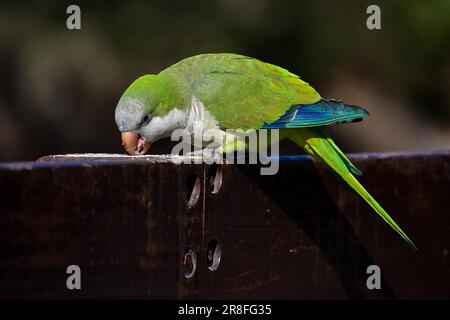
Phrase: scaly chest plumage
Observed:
(196, 120)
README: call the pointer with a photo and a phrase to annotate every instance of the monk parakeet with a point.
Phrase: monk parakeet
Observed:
(230, 91)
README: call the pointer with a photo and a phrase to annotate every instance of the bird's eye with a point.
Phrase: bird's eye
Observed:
(145, 119)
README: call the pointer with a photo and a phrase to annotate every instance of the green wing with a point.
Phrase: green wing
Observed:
(243, 92)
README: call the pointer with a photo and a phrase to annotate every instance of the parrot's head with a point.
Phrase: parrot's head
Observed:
(140, 110)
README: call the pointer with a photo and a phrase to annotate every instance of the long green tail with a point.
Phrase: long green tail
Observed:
(318, 143)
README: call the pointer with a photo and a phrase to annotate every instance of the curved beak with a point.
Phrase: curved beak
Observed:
(134, 143)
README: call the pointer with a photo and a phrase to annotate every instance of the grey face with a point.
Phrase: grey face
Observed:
(130, 115)
(131, 119)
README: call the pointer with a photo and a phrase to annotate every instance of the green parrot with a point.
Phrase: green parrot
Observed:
(230, 91)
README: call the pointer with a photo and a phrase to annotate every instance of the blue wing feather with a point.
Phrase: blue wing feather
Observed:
(324, 112)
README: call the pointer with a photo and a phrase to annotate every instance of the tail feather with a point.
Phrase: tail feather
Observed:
(317, 142)
(350, 166)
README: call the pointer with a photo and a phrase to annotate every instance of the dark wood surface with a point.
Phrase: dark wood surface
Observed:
(301, 234)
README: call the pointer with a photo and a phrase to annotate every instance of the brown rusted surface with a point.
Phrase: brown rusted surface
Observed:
(302, 234)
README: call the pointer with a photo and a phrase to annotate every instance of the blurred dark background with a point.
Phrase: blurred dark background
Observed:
(59, 88)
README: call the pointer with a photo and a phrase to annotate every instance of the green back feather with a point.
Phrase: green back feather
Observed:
(239, 91)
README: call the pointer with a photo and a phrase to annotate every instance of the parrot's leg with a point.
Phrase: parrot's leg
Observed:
(236, 145)
(222, 142)
(207, 143)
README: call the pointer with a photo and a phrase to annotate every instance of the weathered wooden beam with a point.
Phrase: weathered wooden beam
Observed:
(133, 226)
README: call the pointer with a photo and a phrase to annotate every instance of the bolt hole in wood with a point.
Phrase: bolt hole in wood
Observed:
(215, 178)
(189, 263)
(193, 188)
(213, 254)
